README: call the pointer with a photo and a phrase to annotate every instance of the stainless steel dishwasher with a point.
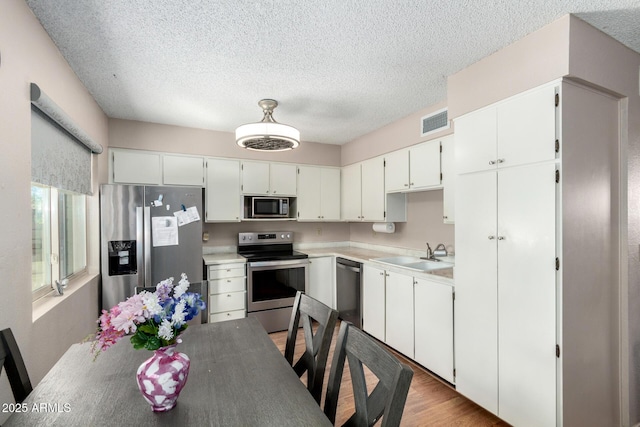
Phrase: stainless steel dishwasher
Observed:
(349, 289)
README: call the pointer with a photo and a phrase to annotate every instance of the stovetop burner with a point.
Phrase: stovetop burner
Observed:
(270, 246)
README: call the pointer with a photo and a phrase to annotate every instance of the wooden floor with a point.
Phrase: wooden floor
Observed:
(430, 401)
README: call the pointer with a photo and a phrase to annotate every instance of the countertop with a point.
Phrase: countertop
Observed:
(223, 258)
(358, 254)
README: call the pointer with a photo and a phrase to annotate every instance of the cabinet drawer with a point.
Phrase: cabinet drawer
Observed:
(228, 315)
(226, 302)
(227, 270)
(232, 284)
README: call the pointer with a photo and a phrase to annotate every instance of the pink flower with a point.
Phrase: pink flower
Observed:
(131, 314)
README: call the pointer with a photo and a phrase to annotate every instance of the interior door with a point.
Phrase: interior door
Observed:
(527, 294)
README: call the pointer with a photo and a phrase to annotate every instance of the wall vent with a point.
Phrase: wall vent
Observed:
(434, 122)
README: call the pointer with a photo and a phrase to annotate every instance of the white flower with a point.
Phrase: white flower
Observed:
(182, 287)
(165, 331)
(151, 303)
(179, 313)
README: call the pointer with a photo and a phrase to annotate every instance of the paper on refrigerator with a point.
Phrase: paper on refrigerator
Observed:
(164, 230)
(187, 216)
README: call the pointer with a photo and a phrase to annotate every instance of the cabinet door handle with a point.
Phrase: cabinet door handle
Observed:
(228, 295)
(228, 314)
(501, 238)
(492, 237)
(492, 162)
(382, 273)
(500, 160)
(411, 183)
(406, 185)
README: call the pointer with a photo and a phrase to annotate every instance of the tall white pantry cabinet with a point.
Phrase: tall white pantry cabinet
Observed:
(537, 256)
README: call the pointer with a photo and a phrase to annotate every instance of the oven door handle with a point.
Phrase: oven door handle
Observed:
(284, 263)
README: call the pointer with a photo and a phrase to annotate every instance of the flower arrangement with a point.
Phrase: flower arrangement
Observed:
(155, 319)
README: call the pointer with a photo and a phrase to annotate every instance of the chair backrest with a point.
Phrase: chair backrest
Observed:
(394, 378)
(314, 359)
(11, 360)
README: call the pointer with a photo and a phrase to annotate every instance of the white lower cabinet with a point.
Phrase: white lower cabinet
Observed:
(399, 312)
(227, 291)
(322, 281)
(373, 301)
(433, 306)
(411, 314)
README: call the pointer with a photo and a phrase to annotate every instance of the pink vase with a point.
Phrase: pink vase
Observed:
(162, 376)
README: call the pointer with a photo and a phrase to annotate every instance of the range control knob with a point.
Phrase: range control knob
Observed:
(288, 236)
(282, 236)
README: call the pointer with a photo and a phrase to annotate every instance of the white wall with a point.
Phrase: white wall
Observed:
(28, 55)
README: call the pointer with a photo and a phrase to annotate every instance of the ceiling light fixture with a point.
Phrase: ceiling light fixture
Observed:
(267, 135)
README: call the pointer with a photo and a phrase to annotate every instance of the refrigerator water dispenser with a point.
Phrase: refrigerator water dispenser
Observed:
(122, 257)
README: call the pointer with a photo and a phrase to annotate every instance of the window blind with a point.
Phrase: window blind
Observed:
(57, 159)
(60, 150)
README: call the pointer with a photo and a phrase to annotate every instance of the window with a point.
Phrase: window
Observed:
(59, 231)
(60, 182)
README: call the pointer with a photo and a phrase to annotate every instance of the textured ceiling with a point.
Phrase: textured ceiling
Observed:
(339, 68)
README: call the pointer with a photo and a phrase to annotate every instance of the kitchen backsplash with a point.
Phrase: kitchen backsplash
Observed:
(424, 215)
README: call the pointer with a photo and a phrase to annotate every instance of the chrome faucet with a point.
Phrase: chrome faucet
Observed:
(440, 251)
(429, 254)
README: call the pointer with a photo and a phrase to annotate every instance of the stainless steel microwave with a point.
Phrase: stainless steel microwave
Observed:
(269, 207)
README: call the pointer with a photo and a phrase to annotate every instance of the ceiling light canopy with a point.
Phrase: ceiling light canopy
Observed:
(267, 135)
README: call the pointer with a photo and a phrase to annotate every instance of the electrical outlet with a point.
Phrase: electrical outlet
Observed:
(319, 231)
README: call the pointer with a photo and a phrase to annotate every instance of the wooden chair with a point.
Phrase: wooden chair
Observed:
(314, 359)
(390, 394)
(11, 359)
(139, 289)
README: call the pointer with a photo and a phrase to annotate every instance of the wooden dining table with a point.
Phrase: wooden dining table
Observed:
(238, 377)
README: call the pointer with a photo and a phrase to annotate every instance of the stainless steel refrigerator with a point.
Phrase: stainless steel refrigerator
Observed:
(148, 233)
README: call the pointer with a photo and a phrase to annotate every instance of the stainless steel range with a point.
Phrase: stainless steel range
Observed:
(275, 272)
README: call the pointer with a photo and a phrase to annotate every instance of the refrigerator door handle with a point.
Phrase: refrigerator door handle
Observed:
(147, 246)
(139, 247)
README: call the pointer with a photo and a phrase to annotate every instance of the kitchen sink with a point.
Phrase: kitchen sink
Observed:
(425, 265)
(414, 263)
(398, 260)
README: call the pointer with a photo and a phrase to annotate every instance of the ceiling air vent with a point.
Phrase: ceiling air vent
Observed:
(434, 122)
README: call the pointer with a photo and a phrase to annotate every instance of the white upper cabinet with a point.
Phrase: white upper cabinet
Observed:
(518, 131)
(527, 128)
(397, 171)
(223, 200)
(182, 170)
(255, 178)
(351, 203)
(136, 167)
(274, 179)
(152, 168)
(413, 169)
(318, 194)
(448, 179)
(372, 186)
(424, 165)
(476, 136)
